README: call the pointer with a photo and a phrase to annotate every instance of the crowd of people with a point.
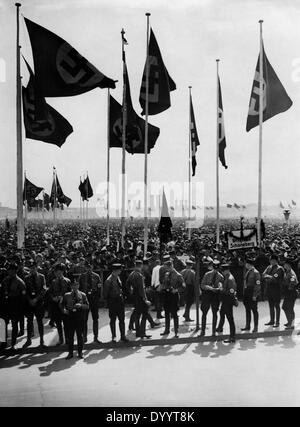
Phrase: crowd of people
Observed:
(69, 271)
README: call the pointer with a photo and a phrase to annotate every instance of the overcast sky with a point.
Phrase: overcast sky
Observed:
(191, 35)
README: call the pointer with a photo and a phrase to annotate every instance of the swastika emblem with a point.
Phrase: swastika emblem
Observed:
(254, 101)
(75, 69)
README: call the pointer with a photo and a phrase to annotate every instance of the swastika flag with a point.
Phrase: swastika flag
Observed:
(59, 69)
(275, 98)
(194, 137)
(41, 121)
(160, 83)
(30, 192)
(221, 128)
(135, 133)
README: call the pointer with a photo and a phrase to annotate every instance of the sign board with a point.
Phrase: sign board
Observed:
(235, 242)
(196, 223)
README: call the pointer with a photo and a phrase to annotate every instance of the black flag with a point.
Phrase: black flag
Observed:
(59, 69)
(30, 192)
(134, 140)
(194, 137)
(165, 223)
(85, 189)
(160, 83)
(57, 191)
(275, 98)
(221, 130)
(41, 121)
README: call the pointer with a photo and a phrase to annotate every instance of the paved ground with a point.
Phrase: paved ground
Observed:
(262, 371)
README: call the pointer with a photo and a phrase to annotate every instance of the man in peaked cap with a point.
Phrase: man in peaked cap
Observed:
(228, 299)
(113, 294)
(189, 277)
(251, 293)
(211, 285)
(290, 287)
(273, 278)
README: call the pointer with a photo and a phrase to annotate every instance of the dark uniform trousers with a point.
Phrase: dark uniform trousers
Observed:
(94, 309)
(227, 311)
(60, 320)
(132, 321)
(75, 323)
(38, 311)
(290, 296)
(273, 295)
(140, 314)
(210, 300)
(189, 300)
(250, 305)
(15, 312)
(116, 310)
(171, 306)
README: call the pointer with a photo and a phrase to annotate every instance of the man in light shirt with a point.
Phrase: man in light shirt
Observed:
(155, 283)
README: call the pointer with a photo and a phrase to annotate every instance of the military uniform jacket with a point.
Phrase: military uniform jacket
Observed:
(70, 299)
(136, 284)
(112, 288)
(290, 282)
(189, 277)
(35, 287)
(59, 287)
(252, 284)
(211, 278)
(172, 280)
(277, 273)
(13, 288)
(90, 284)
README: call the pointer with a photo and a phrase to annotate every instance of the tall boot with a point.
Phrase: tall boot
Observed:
(176, 323)
(167, 326)
(95, 329)
(112, 325)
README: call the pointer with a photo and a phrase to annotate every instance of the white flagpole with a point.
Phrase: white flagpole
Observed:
(146, 143)
(43, 206)
(124, 126)
(55, 194)
(25, 201)
(261, 81)
(190, 159)
(87, 203)
(80, 204)
(108, 166)
(20, 217)
(217, 161)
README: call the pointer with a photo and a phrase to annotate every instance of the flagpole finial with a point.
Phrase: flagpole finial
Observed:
(261, 21)
(147, 14)
(217, 60)
(18, 4)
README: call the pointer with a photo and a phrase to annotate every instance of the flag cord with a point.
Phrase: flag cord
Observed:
(217, 161)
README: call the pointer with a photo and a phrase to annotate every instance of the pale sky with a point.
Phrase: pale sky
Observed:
(191, 35)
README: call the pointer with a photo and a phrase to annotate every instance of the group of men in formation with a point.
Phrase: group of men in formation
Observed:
(70, 289)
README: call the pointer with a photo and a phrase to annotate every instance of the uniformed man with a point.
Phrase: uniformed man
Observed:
(113, 294)
(136, 283)
(211, 285)
(58, 287)
(171, 282)
(228, 298)
(189, 278)
(73, 305)
(251, 293)
(14, 291)
(90, 284)
(35, 291)
(273, 278)
(290, 285)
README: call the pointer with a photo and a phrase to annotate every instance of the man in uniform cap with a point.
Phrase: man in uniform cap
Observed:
(251, 292)
(273, 277)
(136, 284)
(113, 294)
(211, 285)
(228, 298)
(290, 285)
(36, 292)
(58, 287)
(90, 285)
(73, 305)
(189, 277)
(14, 291)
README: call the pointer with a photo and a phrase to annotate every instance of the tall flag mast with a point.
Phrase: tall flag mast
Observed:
(124, 129)
(20, 217)
(273, 100)
(217, 160)
(108, 167)
(146, 141)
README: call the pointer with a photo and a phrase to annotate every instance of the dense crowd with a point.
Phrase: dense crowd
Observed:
(69, 270)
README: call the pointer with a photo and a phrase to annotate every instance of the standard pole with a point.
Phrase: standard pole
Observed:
(55, 195)
(20, 217)
(25, 201)
(261, 82)
(146, 143)
(108, 166)
(43, 206)
(217, 161)
(124, 126)
(190, 158)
